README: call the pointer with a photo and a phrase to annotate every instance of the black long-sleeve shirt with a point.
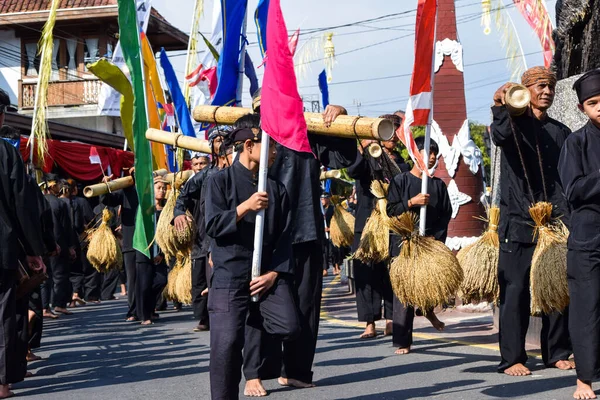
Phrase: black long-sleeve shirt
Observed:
(300, 174)
(82, 214)
(61, 220)
(515, 222)
(128, 200)
(579, 168)
(20, 222)
(439, 210)
(191, 198)
(232, 243)
(364, 171)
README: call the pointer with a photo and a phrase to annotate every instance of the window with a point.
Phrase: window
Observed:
(91, 51)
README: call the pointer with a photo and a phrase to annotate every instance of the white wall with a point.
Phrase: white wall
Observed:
(10, 64)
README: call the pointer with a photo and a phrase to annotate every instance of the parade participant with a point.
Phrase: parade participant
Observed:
(232, 202)
(372, 279)
(150, 273)
(20, 232)
(531, 146)
(328, 247)
(404, 194)
(191, 200)
(199, 163)
(127, 199)
(300, 173)
(579, 169)
(57, 289)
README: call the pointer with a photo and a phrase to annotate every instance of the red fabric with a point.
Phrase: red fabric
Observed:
(210, 75)
(421, 85)
(74, 159)
(281, 108)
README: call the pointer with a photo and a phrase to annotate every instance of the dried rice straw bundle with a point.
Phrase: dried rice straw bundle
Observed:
(341, 229)
(479, 262)
(426, 272)
(104, 252)
(375, 240)
(170, 290)
(167, 237)
(183, 285)
(549, 289)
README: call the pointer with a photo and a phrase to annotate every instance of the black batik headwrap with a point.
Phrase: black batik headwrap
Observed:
(588, 85)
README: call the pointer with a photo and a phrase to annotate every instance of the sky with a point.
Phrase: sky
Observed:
(367, 74)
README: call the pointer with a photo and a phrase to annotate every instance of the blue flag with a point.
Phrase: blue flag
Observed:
(251, 75)
(260, 19)
(324, 87)
(234, 12)
(181, 108)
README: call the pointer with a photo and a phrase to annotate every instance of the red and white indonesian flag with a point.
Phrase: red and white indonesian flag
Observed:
(421, 86)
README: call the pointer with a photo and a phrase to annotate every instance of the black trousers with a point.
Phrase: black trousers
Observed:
(514, 266)
(403, 320)
(583, 271)
(36, 326)
(47, 286)
(145, 299)
(13, 364)
(327, 254)
(92, 279)
(120, 276)
(234, 319)
(298, 355)
(77, 276)
(199, 283)
(62, 291)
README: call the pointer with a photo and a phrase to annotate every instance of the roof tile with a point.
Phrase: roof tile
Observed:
(14, 6)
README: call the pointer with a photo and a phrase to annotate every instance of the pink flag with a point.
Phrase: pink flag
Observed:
(420, 101)
(281, 108)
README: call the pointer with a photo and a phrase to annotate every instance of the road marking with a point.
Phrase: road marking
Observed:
(424, 336)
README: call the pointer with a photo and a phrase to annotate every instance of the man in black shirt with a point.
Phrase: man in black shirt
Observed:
(579, 168)
(528, 175)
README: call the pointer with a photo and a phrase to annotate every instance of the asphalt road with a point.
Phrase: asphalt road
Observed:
(95, 354)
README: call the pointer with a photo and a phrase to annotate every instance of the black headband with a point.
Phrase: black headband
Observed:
(588, 85)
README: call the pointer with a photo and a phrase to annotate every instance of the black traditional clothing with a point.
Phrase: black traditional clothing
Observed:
(439, 212)
(516, 229)
(236, 322)
(82, 215)
(20, 232)
(372, 280)
(579, 169)
(300, 174)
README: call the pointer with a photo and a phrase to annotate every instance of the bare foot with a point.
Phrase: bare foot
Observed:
(584, 391)
(50, 314)
(32, 357)
(369, 332)
(295, 383)
(435, 322)
(62, 311)
(517, 370)
(148, 322)
(254, 388)
(402, 351)
(131, 319)
(565, 365)
(389, 328)
(325, 272)
(5, 392)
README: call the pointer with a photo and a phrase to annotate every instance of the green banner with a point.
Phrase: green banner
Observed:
(129, 35)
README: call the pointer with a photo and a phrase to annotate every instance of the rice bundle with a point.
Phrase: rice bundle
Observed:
(341, 229)
(479, 262)
(104, 251)
(375, 240)
(170, 290)
(183, 285)
(167, 237)
(426, 272)
(549, 289)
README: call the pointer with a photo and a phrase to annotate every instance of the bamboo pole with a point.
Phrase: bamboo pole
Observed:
(178, 140)
(332, 174)
(183, 175)
(121, 183)
(345, 126)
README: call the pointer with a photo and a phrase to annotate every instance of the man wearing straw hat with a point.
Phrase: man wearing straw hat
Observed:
(191, 200)
(579, 168)
(531, 144)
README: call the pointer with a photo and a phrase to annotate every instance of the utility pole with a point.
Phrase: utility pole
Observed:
(357, 104)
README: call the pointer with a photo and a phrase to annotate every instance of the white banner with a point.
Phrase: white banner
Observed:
(109, 100)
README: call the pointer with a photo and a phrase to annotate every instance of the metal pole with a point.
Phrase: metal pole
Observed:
(424, 175)
(260, 216)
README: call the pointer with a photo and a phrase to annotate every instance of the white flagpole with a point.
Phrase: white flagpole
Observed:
(260, 216)
(424, 176)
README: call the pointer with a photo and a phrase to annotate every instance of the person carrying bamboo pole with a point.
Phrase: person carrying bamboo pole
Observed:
(579, 169)
(232, 203)
(531, 145)
(192, 200)
(405, 195)
(371, 275)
